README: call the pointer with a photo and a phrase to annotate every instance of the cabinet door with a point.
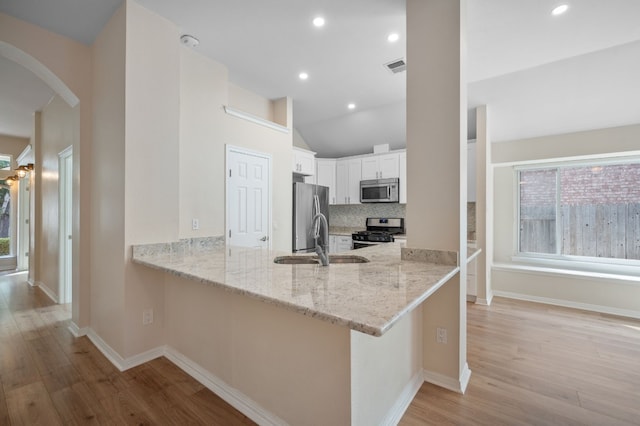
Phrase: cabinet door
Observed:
(326, 176)
(381, 166)
(304, 162)
(389, 166)
(370, 168)
(333, 248)
(342, 182)
(355, 176)
(343, 243)
(403, 177)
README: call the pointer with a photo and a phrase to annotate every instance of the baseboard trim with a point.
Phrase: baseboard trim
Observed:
(456, 385)
(234, 397)
(569, 304)
(46, 290)
(144, 357)
(487, 301)
(409, 392)
(77, 331)
(118, 361)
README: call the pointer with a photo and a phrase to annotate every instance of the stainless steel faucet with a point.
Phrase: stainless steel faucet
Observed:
(321, 250)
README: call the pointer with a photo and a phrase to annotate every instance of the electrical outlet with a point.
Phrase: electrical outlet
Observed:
(147, 316)
(441, 335)
(195, 224)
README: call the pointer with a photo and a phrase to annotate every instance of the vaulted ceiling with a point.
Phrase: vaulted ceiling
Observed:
(538, 73)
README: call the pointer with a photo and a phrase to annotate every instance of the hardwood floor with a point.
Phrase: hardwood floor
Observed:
(535, 364)
(531, 364)
(48, 377)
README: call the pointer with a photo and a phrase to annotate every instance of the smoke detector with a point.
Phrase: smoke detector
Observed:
(189, 40)
(396, 66)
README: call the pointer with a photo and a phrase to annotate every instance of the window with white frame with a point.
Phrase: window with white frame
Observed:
(5, 209)
(580, 211)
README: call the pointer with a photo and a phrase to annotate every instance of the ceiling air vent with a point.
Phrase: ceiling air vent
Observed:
(396, 66)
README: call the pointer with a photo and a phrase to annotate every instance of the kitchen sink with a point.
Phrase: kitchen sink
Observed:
(296, 260)
(314, 260)
(347, 258)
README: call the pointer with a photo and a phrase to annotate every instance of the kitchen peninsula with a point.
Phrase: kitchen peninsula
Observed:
(299, 344)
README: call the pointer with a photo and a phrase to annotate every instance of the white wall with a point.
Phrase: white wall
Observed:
(152, 104)
(13, 146)
(437, 166)
(108, 183)
(205, 130)
(615, 295)
(58, 123)
(247, 101)
(383, 367)
(290, 364)
(66, 66)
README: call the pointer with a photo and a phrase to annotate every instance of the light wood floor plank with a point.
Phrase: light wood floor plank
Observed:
(532, 364)
(67, 380)
(31, 405)
(537, 364)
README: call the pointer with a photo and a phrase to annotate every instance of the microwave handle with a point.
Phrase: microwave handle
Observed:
(389, 192)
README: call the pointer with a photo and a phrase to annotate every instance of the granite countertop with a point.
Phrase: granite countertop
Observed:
(368, 297)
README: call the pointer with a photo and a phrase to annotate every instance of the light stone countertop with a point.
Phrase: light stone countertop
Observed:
(368, 297)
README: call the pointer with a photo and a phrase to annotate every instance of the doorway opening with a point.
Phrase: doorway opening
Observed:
(65, 200)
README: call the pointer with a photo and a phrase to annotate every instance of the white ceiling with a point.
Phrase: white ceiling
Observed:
(539, 74)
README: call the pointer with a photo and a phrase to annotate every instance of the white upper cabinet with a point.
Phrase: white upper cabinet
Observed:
(304, 162)
(348, 176)
(326, 176)
(381, 166)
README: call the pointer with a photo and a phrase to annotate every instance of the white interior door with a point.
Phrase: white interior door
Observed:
(248, 198)
(66, 222)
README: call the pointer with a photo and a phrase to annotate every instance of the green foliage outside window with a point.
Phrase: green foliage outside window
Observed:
(4, 246)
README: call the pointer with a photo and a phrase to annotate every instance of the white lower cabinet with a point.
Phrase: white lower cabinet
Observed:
(339, 243)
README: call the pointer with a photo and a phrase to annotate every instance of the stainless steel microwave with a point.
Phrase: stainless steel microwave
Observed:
(380, 190)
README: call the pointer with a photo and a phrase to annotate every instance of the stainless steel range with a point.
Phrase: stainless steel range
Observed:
(380, 230)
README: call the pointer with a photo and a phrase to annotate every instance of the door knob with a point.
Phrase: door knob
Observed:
(265, 238)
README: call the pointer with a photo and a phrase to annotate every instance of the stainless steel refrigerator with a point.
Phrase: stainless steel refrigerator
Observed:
(304, 209)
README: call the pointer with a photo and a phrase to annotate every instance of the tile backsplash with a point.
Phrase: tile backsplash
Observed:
(355, 215)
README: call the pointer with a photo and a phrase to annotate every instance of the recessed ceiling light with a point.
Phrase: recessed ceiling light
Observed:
(559, 10)
(303, 76)
(393, 37)
(318, 21)
(351, 106)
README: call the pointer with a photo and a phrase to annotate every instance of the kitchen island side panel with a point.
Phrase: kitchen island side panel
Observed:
(386, 371)
(293, 366)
